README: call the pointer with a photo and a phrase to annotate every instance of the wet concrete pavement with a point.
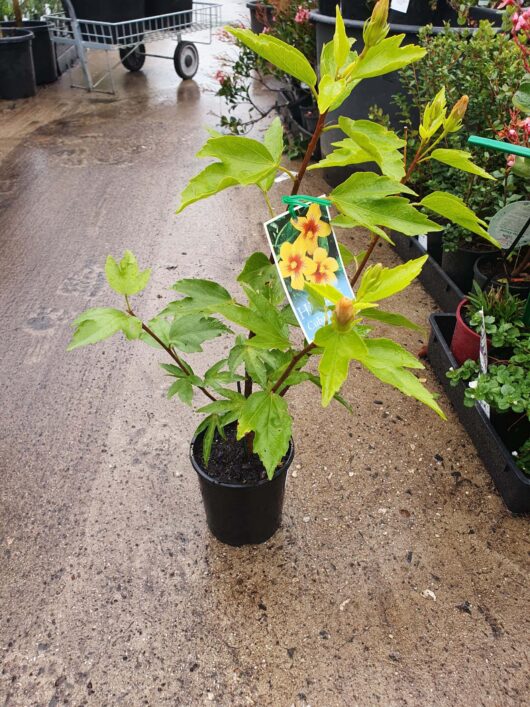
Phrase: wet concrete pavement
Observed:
(111, 589)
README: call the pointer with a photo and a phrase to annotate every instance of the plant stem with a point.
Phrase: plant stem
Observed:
(269, 205)
(290, 367)
(357, 274)
(309, 153)
(174, 356)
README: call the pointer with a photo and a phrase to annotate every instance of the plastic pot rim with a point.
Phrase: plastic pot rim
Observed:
(283, 468)
(20, 36)
(316, 16)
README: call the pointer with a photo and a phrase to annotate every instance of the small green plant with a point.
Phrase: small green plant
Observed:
(250, 385)
(503, 314)
(523, 458)
(505, 386)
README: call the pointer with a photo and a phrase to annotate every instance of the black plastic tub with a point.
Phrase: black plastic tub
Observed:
(521, 289)
(44, 59)
(261, 15)
(459, 266)
(435, 281)
(512, 484)
(154, 8)
(17, 73)
(487, 13)
(240, 514)
(109, 11)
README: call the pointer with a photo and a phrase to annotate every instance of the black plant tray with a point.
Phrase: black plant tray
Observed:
(437, 283)
(512, 484)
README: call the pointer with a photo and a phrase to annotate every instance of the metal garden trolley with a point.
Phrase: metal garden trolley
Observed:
(130, 38)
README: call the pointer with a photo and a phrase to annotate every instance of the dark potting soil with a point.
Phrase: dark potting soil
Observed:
(229, 462)
(495, 269)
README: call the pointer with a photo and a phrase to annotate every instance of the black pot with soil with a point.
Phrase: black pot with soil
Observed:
(43, 51)
(17, 72)
(459, 265)
(489, 269)
(261, 15)
(242, 505)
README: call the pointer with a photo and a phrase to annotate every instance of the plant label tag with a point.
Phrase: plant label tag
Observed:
(423, 241)
(483, 357)
(400, 5)
(508, 223)
(305, 250)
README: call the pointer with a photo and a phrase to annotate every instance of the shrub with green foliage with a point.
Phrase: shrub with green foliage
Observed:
(485, 65)
(250, 385)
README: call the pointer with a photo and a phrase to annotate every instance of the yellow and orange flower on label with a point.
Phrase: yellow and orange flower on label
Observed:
(305, 251)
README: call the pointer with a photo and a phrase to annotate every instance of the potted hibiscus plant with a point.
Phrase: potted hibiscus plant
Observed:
(242, 448)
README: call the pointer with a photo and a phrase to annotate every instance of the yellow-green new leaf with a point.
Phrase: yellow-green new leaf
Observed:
(282, 55)
(125, 277)
(385, 57)
(100, 323)
(388, 364)
(379, 282)
(339, 348)
(365, 199)
(266, 415)
(390, 318)
(213, 179)
(341, 45)
(453, 208)
(460, 159)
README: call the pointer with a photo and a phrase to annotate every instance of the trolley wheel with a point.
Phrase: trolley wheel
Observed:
(186, 60)
(133, 61)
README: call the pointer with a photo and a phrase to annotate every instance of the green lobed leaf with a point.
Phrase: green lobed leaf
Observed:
(390, 318)
(213, 179)
(460, 159)
(282, 55)
(339, 348)
(188, 332)
(100, 323)
(364, 199)
(388, 365)
(209, 425)
(273, 141)
(379, 282)
(267, 334)
(453, 208)
(245, 158)
(125, 277)
(266, 415)
(206, 293)
(385, 57)
(346, 254)
(367, 141)
(183, 388)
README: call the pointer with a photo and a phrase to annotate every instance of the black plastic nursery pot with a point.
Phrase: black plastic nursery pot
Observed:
(484, 269)
(512, 484)
(435, 281)
(241, 514)
(459, 265)
(17, 73)
(108, 11)
(167, 7)
(44, 59)
(261, 15)
(486, 13)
